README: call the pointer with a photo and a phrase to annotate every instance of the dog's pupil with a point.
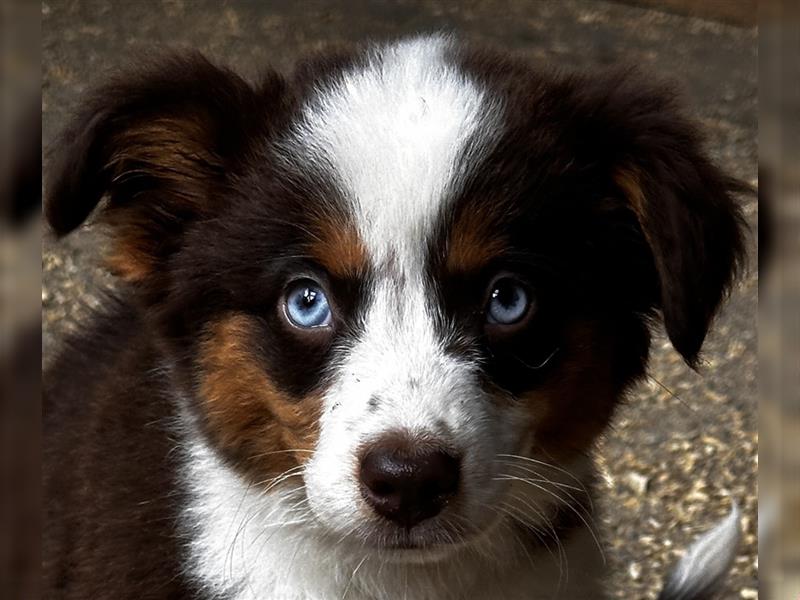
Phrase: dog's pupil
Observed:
(507, 295)
(309, 297)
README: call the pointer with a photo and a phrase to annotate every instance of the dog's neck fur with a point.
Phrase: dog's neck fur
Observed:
(255, 542)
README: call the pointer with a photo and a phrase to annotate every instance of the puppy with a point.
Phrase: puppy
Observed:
(370, 319)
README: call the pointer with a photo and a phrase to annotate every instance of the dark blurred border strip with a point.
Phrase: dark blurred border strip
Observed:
(779, 300)
(20, 295)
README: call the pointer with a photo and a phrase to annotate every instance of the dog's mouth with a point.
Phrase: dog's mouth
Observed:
(429, 541)
(418, 548)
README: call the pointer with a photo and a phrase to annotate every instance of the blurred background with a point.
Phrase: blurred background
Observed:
(685, 445)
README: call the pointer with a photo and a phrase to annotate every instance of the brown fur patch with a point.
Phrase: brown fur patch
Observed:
(473, 242)
(172, 148)
(261, 428)
(338, 247)
(575, 407)
(629, 181)
(128, 262)
(174, 152)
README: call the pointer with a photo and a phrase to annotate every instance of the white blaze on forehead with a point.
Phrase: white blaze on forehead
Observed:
(392, 131)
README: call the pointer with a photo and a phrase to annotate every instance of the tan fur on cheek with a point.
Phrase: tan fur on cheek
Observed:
(575, 407)
(262, 429)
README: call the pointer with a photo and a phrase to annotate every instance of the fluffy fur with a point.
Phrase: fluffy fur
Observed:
(200, 444)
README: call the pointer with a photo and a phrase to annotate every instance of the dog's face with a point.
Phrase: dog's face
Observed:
(404, 280)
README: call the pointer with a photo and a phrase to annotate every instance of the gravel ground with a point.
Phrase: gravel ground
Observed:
(686, 443)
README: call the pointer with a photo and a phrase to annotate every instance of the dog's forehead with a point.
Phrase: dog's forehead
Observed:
(392, 132)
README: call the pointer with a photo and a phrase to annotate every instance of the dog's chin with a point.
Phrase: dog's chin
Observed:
(426, 543)
(420, 555)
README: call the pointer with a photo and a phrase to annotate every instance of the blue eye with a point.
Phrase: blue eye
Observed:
(307, 306)
(508, 302)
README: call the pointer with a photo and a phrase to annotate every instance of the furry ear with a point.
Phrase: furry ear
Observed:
(158, 143)
(683, 203)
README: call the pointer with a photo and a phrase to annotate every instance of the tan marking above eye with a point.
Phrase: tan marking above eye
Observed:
(338, 247)
(472, 242)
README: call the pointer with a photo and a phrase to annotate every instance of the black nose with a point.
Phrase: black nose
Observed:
(408, 485)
